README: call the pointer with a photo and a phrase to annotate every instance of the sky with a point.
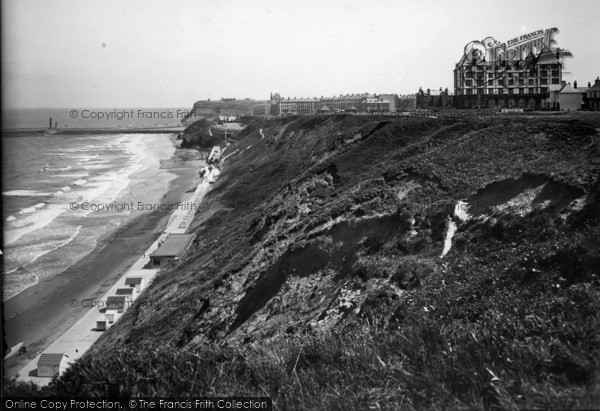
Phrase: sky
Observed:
(70, 54)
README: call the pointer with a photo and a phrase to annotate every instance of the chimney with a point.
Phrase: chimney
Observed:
(428, 91)
(589, 84)
(563, 83)
(440, 89)
(575, 84)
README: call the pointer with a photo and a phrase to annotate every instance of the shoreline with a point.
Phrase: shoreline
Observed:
(44, 311)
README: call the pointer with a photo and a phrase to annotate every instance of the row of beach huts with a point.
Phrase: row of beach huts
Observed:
(49, 364)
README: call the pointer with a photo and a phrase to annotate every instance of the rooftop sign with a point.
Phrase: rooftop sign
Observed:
(490, 50)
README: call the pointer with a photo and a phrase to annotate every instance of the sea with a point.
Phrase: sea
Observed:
(44, 176)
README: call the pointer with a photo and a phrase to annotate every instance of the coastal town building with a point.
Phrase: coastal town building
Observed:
(592, 95)
(382, 103)
(49, 364)
(174, 245)
(225, 130)
(514, 74)
(298, 106)
(433, 99)
(348, 103)
(564, 97)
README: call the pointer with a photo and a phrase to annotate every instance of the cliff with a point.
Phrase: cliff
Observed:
(349, 261)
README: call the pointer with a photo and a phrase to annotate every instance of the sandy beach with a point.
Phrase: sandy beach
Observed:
(41, 313)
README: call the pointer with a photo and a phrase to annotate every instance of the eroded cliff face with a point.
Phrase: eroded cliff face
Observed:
(329, 217)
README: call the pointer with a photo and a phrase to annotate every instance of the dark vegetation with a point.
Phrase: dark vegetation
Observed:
(317, 279)
(197, 136)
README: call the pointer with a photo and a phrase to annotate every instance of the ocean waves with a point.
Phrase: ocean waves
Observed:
(43, 235)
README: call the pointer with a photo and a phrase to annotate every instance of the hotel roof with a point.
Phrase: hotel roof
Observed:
(173, 245)
(133, 280)
(124, 291)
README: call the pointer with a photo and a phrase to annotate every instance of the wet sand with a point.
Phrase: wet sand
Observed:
(41, 313)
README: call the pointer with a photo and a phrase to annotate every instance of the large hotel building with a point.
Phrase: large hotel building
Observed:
(517, 74)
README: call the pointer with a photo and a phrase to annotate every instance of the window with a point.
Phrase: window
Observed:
(530, 82)
(469, 92)
(501, 102)
(479, 82)
(469, 83)
(531, 102)
(490, 91)
(544, 81)
(490, 75)
(491, 103)
(521, 75)
(521, 102)
(531, 91)
(511, 82)
(555, 73)
(555, 81)
(521, 82)
(511, 91)
(511, 103)
(521, 91)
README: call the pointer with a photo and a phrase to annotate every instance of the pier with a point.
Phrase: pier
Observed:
(120, 130)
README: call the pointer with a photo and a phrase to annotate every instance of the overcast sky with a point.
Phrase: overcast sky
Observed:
(171, 53)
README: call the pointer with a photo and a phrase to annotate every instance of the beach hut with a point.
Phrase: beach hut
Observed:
(101, 325)
(174, 245)
(115, 306)
(127, 292)
(48, 364)
(116, 303)
(135, 282)
(109, 317)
